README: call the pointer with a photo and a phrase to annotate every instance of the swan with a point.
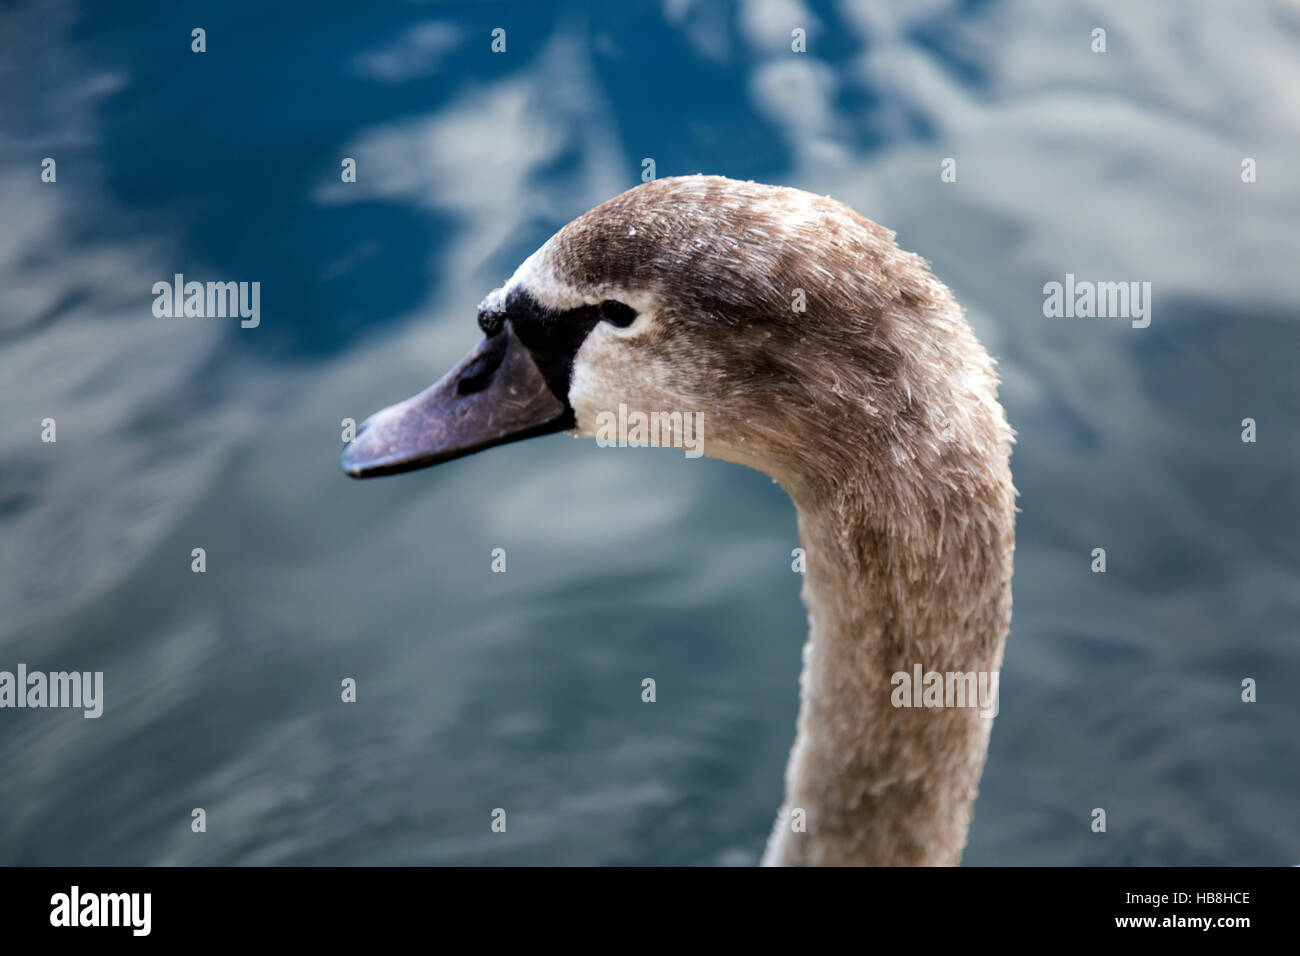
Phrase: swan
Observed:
(873, 406)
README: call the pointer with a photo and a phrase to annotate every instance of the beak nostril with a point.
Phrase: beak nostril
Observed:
(478, 373)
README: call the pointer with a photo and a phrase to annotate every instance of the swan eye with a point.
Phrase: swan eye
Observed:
(617, 314)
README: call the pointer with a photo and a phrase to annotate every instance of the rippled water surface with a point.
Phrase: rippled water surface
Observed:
(522, 690)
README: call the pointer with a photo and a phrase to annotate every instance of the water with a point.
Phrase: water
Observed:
(522, 690)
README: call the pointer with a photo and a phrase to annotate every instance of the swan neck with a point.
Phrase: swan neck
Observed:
(877, 779)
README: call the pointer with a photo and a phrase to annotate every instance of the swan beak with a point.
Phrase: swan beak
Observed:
(496, 394)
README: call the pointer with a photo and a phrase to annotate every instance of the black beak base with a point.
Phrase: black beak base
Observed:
(497, 394)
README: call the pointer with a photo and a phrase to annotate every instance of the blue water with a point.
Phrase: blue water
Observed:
(522, 690)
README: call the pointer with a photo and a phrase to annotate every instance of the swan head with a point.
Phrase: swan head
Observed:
(792, 331)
